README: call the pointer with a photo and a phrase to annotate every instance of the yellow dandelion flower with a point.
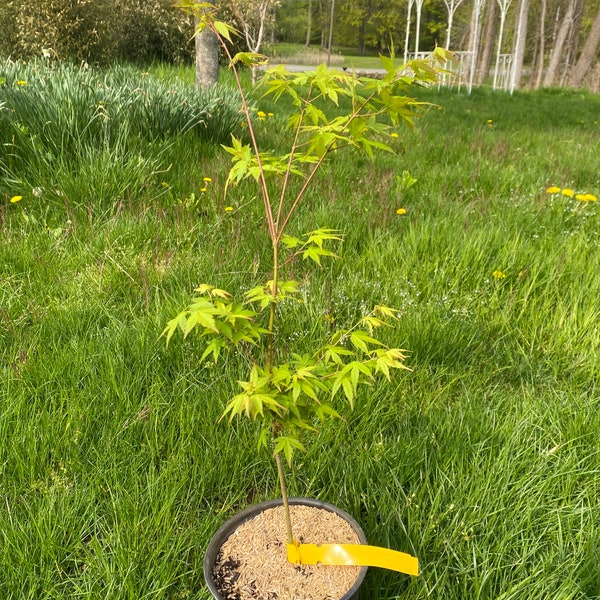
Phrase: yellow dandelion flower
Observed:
(261, 115)
(401, 211)
(16, 199)
(207, 179)
(499, 275)
(203, 189)
(590, 198)
(21, 82)
(568, 192)
(229, 209)
(394, 135)
(165, 184)
(553, 190)
(270, 114)
(490, 121)
(580, 197)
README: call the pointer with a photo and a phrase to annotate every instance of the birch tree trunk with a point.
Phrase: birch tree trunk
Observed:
(588, 53)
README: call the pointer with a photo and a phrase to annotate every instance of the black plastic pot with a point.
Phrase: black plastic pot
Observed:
(230, 526)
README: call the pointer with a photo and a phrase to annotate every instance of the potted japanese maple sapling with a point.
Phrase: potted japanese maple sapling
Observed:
(290, 394)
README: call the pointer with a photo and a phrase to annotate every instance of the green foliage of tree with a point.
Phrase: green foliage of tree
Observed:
(96, 31)
(334, 111)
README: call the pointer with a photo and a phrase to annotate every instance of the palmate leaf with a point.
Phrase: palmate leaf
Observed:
(359, 339)
(250, 59)
(287, 445)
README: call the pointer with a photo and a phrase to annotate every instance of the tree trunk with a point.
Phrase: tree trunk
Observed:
(536, 77)
(588, 53)
(488, 43)
(309, 24)
(207, 59)
(474, 30)
(561, 36)
(521, 37)
(330, 40)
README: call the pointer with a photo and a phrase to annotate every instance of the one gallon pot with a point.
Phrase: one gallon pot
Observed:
(230, 526)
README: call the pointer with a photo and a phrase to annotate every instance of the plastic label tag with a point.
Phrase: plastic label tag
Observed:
(352, 554)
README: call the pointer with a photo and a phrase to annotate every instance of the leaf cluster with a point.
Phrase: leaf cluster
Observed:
(292, 395)
(334, 110)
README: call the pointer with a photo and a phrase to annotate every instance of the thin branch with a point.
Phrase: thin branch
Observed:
(295, 146)
(263, 181)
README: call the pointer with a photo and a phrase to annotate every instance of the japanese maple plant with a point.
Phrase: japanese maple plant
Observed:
(288, 395)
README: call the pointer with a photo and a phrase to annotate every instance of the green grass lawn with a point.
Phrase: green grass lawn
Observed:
(483, 460)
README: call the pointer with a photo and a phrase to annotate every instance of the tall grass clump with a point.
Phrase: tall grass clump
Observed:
(70, 125)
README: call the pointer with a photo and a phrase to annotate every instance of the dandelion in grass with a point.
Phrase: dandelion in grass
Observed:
(490, 122)
(261, 115)
(568, 192)
(203, 189)
(393, 135)
(21, 82)
(499, 275)
(587, 197)
(16, 199)
(401, 211)
(553, 190)
(165, 184)
(229, 209)
(207, 179)
(270, 114)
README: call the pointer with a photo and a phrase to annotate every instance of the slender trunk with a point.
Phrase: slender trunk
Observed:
(539, 65)
(520, 40)
(309, 24)
(589, 51)
(561, 36)
(478, 6)
(207, 59)
(323, 21)
(449, 30)
(330, 32)
(488, 43)
(284, 497)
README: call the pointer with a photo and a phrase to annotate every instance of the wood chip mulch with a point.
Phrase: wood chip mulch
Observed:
(252, 563)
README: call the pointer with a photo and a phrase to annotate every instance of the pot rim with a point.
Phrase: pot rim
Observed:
(252, 511)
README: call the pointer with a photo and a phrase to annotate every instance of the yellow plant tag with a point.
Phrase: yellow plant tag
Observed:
(352, 554)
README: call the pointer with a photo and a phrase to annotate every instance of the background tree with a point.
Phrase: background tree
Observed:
(308, 23)
(520, 44)
(563, 31)
(588, 53)
(539, 55)
(254, 17)
(207, 58)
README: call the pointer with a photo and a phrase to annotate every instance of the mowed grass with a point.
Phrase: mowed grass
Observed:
(484, 460)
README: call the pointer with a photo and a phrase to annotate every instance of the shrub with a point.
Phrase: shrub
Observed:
(95, 31)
